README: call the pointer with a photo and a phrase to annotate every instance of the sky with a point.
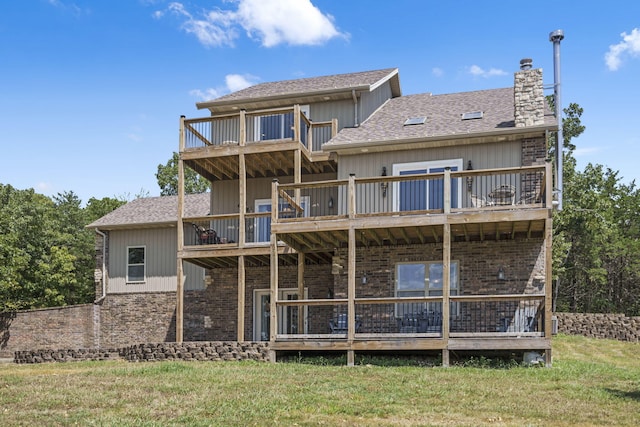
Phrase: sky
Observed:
(91, 91)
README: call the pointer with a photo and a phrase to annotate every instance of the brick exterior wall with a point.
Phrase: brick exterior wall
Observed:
(211, 315)
(522, 261)
(49, 328)
(127, 319)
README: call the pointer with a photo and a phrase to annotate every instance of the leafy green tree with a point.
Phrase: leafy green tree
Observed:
(167, 177)
(97, 208)
(46, 254)
(596, 235)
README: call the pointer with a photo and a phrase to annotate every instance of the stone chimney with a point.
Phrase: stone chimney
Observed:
(528, 95)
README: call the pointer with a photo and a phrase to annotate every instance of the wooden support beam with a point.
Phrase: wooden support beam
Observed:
(301, 309)
(180, 243)
(241, 298)
(435, 234)
(351, 286)
(405, 236)
(446, 279)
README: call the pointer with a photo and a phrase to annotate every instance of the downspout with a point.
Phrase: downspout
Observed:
(104, 266)
(355, 108)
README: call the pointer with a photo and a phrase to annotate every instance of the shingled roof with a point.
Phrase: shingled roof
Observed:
(308, 87)
(443, 115)
(153, 212)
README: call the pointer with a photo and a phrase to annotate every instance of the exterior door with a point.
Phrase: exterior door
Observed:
(287, 316)
(263, 224)
(425, 194)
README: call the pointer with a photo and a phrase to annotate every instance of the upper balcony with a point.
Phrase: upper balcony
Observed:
(491, 204)
(314, 217)
(267, 138)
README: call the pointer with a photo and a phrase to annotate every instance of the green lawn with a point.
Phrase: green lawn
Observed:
(592, 382)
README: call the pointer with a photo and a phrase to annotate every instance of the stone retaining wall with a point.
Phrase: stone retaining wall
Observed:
(598, 325)
(200, 350)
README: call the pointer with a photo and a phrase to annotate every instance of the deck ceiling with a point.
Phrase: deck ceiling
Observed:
(327, 240)
(268, 164)
(221, 261)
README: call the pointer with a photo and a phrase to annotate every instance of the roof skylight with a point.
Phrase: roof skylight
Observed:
(415, 121)
(472, 115)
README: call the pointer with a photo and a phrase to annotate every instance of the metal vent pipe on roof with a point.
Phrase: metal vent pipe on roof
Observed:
(555, 37)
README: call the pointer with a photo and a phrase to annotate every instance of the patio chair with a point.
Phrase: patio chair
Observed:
(340, 324)
(205, 236)
(478, 201)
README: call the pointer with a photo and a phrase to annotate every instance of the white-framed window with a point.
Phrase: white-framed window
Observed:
(425, 194)
(419, 279)
(136, 264)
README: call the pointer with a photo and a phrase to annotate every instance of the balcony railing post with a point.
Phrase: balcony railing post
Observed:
(243, 128)
(447, 190)
(296, 123)
(351, 196)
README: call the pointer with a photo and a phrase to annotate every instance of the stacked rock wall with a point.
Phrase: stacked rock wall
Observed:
(598, 325)
(188, 351)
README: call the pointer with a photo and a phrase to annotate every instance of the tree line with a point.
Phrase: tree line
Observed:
(47, 256)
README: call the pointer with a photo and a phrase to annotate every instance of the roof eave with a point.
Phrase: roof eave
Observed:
(395, 144)
(130, 226)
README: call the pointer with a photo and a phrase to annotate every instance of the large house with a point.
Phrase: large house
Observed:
(346, 217)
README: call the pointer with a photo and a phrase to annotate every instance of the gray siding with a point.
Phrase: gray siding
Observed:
(341, 110)
(160, 260)
(482, 156)
(370, 102)
(225, 196)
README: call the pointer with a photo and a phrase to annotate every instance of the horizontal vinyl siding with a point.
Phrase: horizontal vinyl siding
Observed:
(160, 262)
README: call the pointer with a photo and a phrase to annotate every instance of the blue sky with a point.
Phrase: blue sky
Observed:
(92, 91)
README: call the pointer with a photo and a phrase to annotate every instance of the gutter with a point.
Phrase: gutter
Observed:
(346, 147)
(104, 266)
(355, 108)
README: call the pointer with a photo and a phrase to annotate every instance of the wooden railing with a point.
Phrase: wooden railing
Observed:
(441, 192)
(264, 125)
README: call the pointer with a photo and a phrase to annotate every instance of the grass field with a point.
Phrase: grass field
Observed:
(592, 382)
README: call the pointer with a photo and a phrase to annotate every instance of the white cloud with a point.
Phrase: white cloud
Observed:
(437, 71)
(232, 83)
(272, 22)
(238, 82)
(630, 45)
(492, 72)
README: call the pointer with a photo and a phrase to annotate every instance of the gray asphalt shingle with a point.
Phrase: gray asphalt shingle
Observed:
(154, 210)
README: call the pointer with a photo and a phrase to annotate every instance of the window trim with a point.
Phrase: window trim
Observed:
(144, 264)
(453, 290)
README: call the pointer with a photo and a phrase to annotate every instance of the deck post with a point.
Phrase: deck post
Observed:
(351, 272)
(273, 325)
(446, 285)
(180, 243)
(301, 309)
(548, 294)
(241, 298)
